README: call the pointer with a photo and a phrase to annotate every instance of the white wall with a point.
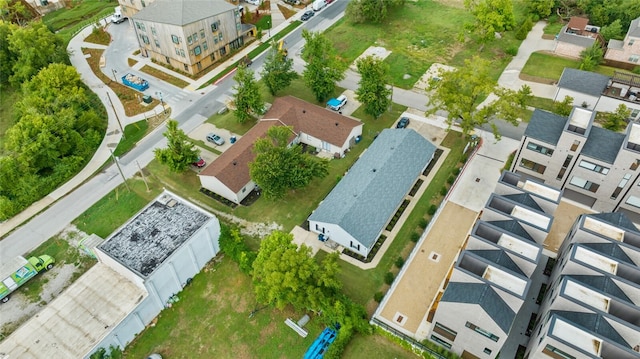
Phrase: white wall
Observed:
(610, 104)
(578, 98)
(338, 235)
(214, 185)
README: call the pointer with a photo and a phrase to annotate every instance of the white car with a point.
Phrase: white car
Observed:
(337, 104)
(253, 2)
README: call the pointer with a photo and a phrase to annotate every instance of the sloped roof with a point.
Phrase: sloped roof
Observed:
(513, 226)
(575, 39)
(232, 166)
(499, 257)
(603, 144)
(485, 296)
(634, 28)
(618, 219)
(594, 323)
(313, 120)
(585, 82)
(603, 283)
(578, 23)
(612, 250)
(524, 199)
(182, 12)
(367, 196)
(545, 126)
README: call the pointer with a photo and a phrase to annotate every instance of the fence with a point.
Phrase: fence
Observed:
(416, 344)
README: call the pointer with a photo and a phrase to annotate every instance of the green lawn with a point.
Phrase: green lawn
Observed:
(541, 103)
(375, 346)
(65, 21)
(554, 25)
(361, 284)
(548, 68)
(132, 134)
(419, 34)
(7, 99)
(211, 320)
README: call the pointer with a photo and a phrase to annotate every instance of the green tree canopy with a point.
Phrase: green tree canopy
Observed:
(284, 274)
(617, 120)
(591, 57)
(542, 8)
(376, 11)
(490, 16)
(277, 72)
(373, 92)
(180, 151)
(613, 31)
(459, 92)
(247, 98)
(278, 167)
(323, 67)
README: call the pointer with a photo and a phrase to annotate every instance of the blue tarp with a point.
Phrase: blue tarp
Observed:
(334, 102)
(320, 345)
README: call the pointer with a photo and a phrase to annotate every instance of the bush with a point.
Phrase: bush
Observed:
(511, 50)
(524, 29)
(388, 278)
(415, 237)
(451, 179)
(432, 210)
(636, 70)
(443, 191)
(232, 243)
(423, 223)
(399, 262)
(378, 297)
(456, 171)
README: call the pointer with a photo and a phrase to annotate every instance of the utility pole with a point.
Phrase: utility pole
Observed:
(143, 177)
(159, 94)
(115, 159)
(116, 113)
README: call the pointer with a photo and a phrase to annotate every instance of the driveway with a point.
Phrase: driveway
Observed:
(200, 134)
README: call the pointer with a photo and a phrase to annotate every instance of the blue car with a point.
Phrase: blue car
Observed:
(307, 15)
(403, 123)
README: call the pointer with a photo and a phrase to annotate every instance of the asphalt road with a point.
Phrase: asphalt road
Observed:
(185, 105)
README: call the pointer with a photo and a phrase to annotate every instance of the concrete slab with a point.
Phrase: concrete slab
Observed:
(421, 85)
(200, 133)
(302, 236)
(419, 123)
(352, 104)
(377, 52)
(563, 219)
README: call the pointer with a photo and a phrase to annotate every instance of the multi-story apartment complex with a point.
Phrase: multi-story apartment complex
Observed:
(591, 309)
(593, 166)
(189, 35)
(491, 279)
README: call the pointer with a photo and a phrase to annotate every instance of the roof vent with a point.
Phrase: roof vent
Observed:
(373, 170)
(304, 111)
(336, 124)
(235, 163)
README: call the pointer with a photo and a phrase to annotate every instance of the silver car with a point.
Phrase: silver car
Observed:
(212, 137)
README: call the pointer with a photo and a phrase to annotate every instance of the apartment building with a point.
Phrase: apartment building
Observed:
(491, 278)
(595, 167)
(591, 308)
(625, 53)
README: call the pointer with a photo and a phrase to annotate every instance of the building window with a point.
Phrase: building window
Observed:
(634, 58)
(582, 183)
(215, 26)
(567, 162)
(536, 167)
(166, 58)
(634, 113)
(441, 342)
(197, 50)
(186, 68)
(223, 51)
(481, 331)
(594, 167)
(556, 353)
(487, 351)
(177, 51)
(175, 39)
(634, 165)
(575, 145)
(143, 3)
(215, 40)
(189, 40)
(156, 42)
(621, 185)
(220, 37)
(195, 36)
(445, 332)
(205, 47)
(139, 25)
(213, 57)
(631, 41)
(145, 39)
(634, 201)
(202, 33)
(182, 52)
(153, 30)
(540, 149)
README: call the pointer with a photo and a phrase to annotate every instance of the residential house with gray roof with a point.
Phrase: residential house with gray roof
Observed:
(491, 278)
(594, 166)
(592, 305)
(356, 211)
(625, 53)
(599, 92)
(189, 35)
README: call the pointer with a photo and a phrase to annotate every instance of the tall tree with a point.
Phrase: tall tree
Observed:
(284, 274)
(35, 47)
(180, 151)
(490, 16)
(613, 31)
(247, 98)
(7, 58)
(617, 120)
(277, 72)
(278, 167)
(373, 92)
(459, 92)
(376, 11)
(323, 67)
(591, 57)
(542, 8)
(564, 107)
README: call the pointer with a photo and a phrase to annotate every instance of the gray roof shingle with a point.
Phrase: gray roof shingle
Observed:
(585, 82)
(618, 219)
(612, 250)
(524, 199)
(582, 41)
(499, 257)
(368, 195)
(603, 283)
(485, 296)
(182, 12)
(594, 323)
(513, 226)
(603, 144)
(545, 126)
(634, 28)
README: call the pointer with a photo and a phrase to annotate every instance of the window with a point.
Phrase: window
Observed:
(213, 57)
(582, 183)
(156, 42)
(214, 26)
(445, 332)
(594, 167)
(621, 185)
(556, 353)
(195, 36)
(143, 3)
(481, 331)
(205, 47)
(634, 201)
(634, 165)
(487, 351)
(197, 50)
(166, 58)
(175, 39)
(631, 41)
(177, 51)
(186, 68)
(182, 52)
(634, 58)
(575, 145)
(138, 25)
(202, 33)
(634, 113)
(441, 342)
(153, 30)
(215, 40)
(567, 162)
(145, 39)
(220, 37)
(540, 149)
(223, 51)
(189, 40)
(536, 167)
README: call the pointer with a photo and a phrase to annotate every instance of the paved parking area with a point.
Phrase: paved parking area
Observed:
(200, 134)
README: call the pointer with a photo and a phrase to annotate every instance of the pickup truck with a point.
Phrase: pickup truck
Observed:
(18, 271)
(337, 104)
(135, 82)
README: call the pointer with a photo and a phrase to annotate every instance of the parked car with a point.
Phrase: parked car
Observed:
(403, 123)
(292, 2)
(154, 356)
(337, 104)
(253, 2)
(199, 163)
(307, 15)
(212, 137)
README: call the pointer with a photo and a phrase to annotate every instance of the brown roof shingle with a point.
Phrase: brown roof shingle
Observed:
(578, 23)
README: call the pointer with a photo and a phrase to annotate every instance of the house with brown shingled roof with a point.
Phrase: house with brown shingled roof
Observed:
(327, 131)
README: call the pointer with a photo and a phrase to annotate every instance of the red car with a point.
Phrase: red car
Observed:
(199, 163)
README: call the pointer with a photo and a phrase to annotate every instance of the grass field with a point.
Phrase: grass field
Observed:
(375, 346)
(419, 34)
(547, 68)
(65, 21)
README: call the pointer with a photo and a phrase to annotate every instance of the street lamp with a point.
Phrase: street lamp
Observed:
(159, 94)
(113, 71)
(269, 27)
